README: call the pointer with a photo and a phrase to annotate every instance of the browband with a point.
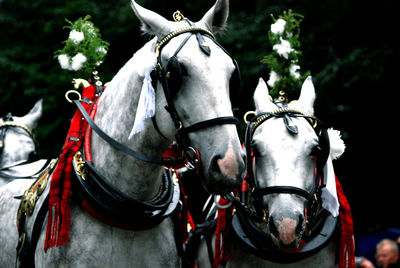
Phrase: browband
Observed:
(173, 34)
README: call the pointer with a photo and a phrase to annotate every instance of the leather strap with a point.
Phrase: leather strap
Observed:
(283, 190)
(212, 122)
(14, 177)
(120, 147)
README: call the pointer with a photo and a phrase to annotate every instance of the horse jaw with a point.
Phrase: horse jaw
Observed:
(216, 18)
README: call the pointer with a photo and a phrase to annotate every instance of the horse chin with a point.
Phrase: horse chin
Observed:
(288, 235)
(218, 183)
(292, 246)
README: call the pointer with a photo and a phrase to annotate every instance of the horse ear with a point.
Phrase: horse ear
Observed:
(216, 18)
(307, 96)
(262, 99)
(31, 119)
(152, 23)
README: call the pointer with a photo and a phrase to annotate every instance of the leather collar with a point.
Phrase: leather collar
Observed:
(109, 205)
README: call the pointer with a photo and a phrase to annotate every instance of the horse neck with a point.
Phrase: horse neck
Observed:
(115, 115)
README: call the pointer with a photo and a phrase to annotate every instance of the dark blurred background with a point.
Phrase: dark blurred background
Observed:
(348, 45)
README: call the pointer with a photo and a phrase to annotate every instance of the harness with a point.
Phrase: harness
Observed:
(92, 190)
(250, 213)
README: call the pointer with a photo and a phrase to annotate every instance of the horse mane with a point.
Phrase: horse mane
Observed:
(141, 62)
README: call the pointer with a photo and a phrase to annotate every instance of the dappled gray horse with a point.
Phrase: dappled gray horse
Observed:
(198, 108)
(282, 220)
(18, 147)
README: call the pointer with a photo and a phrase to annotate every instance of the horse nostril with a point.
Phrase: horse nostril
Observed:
(227, 165)
(272, 227)
(214, 163)
(299, 227)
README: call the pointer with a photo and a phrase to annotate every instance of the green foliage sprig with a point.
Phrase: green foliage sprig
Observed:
(285, 78)
(84, 49)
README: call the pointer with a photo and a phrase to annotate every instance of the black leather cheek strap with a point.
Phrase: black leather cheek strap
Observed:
(212, 122)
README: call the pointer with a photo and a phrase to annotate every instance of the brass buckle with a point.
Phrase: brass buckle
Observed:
(79, 165)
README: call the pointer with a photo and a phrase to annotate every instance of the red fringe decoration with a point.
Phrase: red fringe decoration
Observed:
(185, 219)
(58, 225)
(222, 237)
(347, 254)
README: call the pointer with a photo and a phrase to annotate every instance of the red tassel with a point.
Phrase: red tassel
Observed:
(59, 221)
(347, 254)
(184, 216)
(222, 238)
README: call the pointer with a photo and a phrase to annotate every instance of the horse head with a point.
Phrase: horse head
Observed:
(201, 76)
(289, 152)
(17, 141)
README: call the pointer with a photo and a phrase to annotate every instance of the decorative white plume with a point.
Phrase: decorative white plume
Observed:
(147, 100)
(336, 143)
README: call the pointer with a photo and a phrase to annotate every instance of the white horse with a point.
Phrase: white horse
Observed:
(284, 229)
(18, 147)
(203, 95)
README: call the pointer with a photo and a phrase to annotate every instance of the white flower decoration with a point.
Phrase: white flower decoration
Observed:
(283, 49)
(278, 27)
(63, 59)
(273, 78)
(294, 71)
(101, 50)
(77, 61)
(76, 36)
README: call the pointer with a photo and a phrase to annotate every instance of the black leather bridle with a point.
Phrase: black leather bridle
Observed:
(162, 75)
(250, 211)
(165, 74)
(321, 154)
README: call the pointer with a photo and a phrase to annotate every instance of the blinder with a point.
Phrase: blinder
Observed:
(174, 72)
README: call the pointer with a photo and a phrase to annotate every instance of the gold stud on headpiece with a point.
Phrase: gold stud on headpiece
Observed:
(178, 16)
(282, 96)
